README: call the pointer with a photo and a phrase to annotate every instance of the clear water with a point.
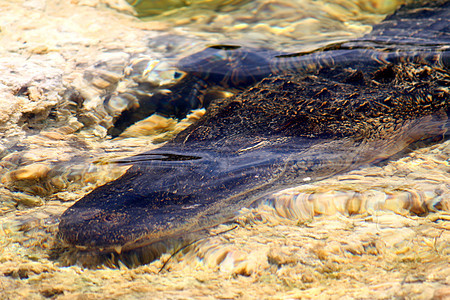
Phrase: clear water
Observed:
(42, 176)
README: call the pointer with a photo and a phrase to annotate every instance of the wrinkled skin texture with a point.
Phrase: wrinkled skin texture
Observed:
(289, 128)
(413, 34)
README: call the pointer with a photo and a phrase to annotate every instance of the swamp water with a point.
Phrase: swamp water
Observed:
(355, 235)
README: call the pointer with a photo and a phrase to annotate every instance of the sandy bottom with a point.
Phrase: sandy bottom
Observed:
(375, 233)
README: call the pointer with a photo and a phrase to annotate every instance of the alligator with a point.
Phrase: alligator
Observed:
(301, 117)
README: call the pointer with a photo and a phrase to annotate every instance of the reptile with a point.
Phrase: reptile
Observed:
(301, 117)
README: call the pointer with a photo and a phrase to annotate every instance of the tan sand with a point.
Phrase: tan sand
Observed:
(375, 233)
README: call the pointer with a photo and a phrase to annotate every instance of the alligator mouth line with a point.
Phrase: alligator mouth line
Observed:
(148, 157)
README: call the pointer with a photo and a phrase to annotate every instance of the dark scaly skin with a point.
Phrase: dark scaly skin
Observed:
(285, 130)
(408, 34)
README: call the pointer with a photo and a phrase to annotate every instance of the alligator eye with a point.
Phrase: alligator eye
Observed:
(177, 75)
(225, 47)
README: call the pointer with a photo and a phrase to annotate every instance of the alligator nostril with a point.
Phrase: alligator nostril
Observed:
(115, 218)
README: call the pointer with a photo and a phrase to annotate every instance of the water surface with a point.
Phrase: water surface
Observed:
(56, 149)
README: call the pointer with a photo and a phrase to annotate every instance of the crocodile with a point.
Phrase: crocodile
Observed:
(301, 117)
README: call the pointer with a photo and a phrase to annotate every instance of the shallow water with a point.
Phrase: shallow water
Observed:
(56, 149)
